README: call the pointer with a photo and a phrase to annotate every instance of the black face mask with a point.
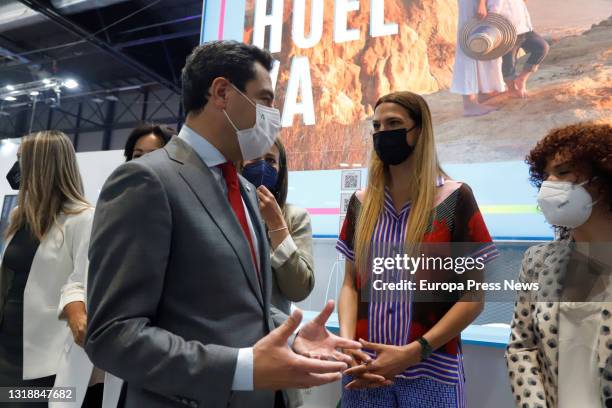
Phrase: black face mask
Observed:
(391, 146)
(14, 176)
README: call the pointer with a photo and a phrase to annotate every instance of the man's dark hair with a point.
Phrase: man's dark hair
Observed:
(164, 134)
(232, 60)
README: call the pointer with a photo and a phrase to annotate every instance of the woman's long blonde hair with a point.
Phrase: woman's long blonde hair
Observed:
(423, 186)
(50, 183)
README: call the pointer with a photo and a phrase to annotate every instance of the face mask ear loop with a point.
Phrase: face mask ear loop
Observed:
(230, 121)
(246, 97)
(587, 182)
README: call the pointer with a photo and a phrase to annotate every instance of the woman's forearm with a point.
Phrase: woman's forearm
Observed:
(453, 322)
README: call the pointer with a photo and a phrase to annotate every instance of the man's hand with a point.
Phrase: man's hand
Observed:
(277, 367)
(390, 361)
(75, 314)
(315, 341)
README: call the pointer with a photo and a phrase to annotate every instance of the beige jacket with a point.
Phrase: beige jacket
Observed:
(292, 261)
(532, 355)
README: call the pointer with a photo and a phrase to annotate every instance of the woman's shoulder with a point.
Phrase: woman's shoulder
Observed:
(78, 213)
(546, 254)
(360, 195)
(293, 211)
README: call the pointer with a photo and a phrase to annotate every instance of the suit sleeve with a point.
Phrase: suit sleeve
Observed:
(522, 351)
(294, 274)
(129, 253)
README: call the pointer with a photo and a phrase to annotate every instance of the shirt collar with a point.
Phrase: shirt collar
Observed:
(203, 148)
(389, 202)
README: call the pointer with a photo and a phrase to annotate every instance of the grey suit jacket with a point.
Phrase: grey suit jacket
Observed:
(172, 290)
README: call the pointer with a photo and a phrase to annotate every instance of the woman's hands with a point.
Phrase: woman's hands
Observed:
(272, 216)
(390, 361)
(270, 210)
(76, 316)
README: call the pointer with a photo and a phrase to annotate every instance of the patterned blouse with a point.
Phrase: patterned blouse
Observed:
(393, 317)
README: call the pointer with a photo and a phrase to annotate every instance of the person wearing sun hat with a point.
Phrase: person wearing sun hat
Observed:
(482, 38)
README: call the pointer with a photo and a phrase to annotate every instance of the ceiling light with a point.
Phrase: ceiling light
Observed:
(71, 84)
(10, 98)
(34, 93)
(10, 87)
(344, 164)
(46, 81)
(356, 164)
(97, 100)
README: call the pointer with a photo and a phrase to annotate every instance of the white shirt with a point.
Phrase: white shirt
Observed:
(516, 11)
(579, 325)
(243, 375)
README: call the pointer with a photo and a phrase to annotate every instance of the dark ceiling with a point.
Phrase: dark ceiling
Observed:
(122, 44)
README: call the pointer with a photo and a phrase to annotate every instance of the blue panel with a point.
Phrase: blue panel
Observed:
(234, 20)
(210, 20)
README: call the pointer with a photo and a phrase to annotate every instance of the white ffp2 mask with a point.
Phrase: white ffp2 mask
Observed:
(565, 204)
(257, 141)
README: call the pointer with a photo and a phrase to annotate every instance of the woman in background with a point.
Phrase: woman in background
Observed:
(560, 349)
(43, 272)
(476, 80)
(290, 236)
(145, 139)
(413, 348)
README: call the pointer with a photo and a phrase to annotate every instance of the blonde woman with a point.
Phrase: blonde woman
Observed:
(43, 270)
(412, 350)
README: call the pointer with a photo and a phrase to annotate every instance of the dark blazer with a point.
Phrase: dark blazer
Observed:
(173, 293)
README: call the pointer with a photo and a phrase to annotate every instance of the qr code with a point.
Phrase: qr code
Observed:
(345, 199)
(351, 179)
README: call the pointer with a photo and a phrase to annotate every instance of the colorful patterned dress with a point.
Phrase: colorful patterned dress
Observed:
(393, 317)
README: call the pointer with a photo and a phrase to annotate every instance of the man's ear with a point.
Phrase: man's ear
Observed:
(219, 93)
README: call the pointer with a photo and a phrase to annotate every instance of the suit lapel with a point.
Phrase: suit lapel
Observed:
(202, 183)
(250, 199)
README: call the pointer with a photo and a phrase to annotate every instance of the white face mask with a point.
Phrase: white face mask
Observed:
(257, 141)
(565, 204)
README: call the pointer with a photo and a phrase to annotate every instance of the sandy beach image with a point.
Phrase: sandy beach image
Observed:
(574, 82)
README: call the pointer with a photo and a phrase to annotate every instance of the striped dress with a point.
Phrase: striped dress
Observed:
(394, 317)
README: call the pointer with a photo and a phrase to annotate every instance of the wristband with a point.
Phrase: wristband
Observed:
(426, 349)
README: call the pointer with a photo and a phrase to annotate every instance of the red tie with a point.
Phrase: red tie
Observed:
(235, 199)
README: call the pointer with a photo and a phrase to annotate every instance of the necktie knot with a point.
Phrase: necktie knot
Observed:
(229, 173)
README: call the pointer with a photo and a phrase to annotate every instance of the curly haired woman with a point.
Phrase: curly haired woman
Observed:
(560, 349)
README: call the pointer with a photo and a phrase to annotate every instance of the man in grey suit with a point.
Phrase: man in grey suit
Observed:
(179, 279)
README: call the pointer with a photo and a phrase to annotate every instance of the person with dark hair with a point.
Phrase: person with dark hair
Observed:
(180, 279)
(559, 352)
(145, 139)
(289, 234)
